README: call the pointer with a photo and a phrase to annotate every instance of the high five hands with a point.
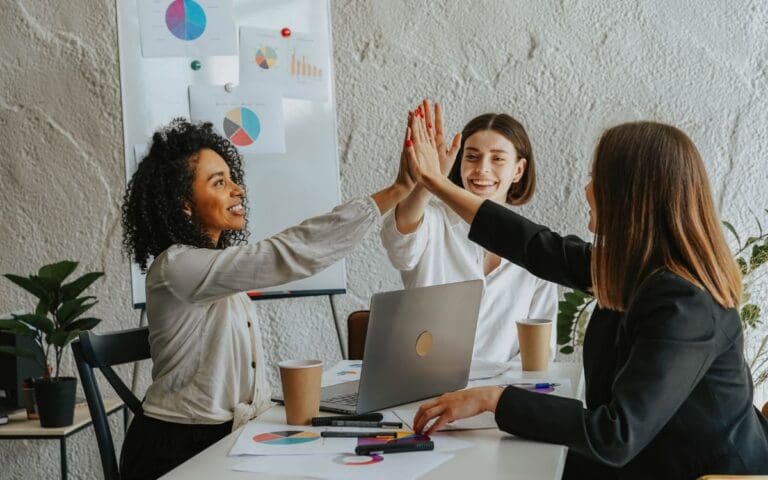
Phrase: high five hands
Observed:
(425, 150)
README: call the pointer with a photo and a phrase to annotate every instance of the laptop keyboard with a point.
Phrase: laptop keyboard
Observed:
(346, 399)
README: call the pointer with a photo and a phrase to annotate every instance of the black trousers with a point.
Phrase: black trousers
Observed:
(153, 447)
(578, 468)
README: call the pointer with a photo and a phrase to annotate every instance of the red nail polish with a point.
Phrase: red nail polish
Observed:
(408, 143)
(429, 125)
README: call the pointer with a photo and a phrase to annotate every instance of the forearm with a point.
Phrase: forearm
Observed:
(390, 196)
(410, 211)
(464, 203)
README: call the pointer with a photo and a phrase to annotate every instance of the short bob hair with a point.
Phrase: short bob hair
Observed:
(153, 213)
(654, 211)
(520, 192)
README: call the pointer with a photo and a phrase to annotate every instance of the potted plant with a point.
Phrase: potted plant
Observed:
(53, 325)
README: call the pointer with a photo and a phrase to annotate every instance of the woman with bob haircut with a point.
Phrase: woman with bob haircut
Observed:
(185, 211)
(427, 242)
(668, 392)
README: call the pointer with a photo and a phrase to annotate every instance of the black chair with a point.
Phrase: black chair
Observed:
(102, 351)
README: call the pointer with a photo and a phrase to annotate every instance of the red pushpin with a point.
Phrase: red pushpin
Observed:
(286, 32)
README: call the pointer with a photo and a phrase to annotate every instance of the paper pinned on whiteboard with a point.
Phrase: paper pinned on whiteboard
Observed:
(250, 116)
(299, 64)
(184, 28)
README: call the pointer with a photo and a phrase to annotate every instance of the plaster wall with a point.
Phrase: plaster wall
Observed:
(567, 69)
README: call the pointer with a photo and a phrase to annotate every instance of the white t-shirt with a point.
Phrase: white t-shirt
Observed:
(208, 361)
(439, 251)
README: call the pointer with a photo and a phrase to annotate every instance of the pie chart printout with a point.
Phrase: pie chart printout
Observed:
(266, 58)
(290, 437)
(185, 19)
(242, 126)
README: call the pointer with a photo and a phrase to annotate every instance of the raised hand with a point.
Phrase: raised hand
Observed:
(423, 158)
(447, 154)
(404, 178)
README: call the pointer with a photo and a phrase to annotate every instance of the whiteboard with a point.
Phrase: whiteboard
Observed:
(282, 189)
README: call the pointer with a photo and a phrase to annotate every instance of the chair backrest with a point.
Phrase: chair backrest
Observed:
(102, 351)
(357, 329)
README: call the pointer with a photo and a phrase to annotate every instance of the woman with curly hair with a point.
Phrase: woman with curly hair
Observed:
(185, 210)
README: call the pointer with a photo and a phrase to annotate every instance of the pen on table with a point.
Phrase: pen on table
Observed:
(393, 447)
(326, 421)
(365, 423)
(535, 386)
(347, 434)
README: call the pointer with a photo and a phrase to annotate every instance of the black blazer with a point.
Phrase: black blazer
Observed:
(668, 392)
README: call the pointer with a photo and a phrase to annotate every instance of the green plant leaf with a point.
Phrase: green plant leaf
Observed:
(40, 322)
(82, 324)
(733, 231)
(567, 308)
(11, 325)
(42, 308)
(567, 350)
(73, 289)
(743, 267)
(31, 285)
(759, 256)
(750, 315)
(57, 271)
(61, 338)
(18, 351)
(575, 298)
(72, 309)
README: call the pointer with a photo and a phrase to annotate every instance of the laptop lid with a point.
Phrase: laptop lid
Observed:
(419, 344)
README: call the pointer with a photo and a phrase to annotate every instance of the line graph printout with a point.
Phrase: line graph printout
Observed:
(250, 116)
(183, 28)
(298, 63)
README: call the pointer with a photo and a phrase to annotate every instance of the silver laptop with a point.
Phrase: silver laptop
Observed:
(419, 345)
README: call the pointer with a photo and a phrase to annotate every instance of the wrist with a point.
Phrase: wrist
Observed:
(492, 399)
(399, 191)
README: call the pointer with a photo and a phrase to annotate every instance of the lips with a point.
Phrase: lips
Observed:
(237, 209)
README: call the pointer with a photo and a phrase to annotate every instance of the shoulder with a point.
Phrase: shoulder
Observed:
(668, 305)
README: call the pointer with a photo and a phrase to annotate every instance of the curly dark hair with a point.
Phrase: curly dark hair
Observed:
(153, 206)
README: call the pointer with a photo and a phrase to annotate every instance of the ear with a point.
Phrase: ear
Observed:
(522, 163)
(187, 208)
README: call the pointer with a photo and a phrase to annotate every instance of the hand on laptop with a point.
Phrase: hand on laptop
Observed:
(454, 406)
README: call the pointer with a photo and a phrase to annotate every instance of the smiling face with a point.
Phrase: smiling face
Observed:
(490, 165)
(217, 200)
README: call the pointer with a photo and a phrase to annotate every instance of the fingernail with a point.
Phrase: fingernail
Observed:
(429, 125)
(408, 143)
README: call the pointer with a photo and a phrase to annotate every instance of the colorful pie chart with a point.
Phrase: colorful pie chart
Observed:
(185, 19)
(362, 460)
(242, 126)
(266, 57)
(289, 437)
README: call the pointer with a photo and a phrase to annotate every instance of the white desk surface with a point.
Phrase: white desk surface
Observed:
(494, 454)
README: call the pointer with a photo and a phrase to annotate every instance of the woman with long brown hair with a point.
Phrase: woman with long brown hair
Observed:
(668, 392)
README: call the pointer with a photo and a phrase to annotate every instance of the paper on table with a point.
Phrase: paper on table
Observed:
(487, 369)
(483, 421)
(344, 371)
(401, 466)
(263, 438)
(561, 386)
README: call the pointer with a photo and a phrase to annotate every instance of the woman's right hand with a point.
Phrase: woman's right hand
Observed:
(446, 154)
(423, 157)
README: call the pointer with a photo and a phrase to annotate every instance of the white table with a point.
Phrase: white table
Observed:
(494, 454)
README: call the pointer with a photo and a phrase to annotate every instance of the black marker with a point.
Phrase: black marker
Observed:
(394, 447)
(326, 421)
(348, 434)
(365, 423)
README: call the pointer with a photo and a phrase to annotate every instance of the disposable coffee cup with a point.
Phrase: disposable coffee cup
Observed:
(533, 335)
(301, 390)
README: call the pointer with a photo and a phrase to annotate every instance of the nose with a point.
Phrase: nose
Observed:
(237, 190)
(484, 165)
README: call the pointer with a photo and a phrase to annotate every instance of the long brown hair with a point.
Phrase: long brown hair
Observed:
(521, 191)
(654, 211)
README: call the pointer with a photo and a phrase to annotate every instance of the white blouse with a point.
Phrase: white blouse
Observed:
(205, 341)
(439, 251)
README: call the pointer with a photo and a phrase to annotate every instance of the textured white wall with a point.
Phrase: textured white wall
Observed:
(567, 69)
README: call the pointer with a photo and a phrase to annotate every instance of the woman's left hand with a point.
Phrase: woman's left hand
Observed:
(453, 406)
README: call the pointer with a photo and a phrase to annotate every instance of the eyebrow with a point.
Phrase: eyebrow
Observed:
(495, 150)
(215, 174)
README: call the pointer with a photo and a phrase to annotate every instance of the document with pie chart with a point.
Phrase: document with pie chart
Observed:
(179, 28)
(298, 63)
(249, 116)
